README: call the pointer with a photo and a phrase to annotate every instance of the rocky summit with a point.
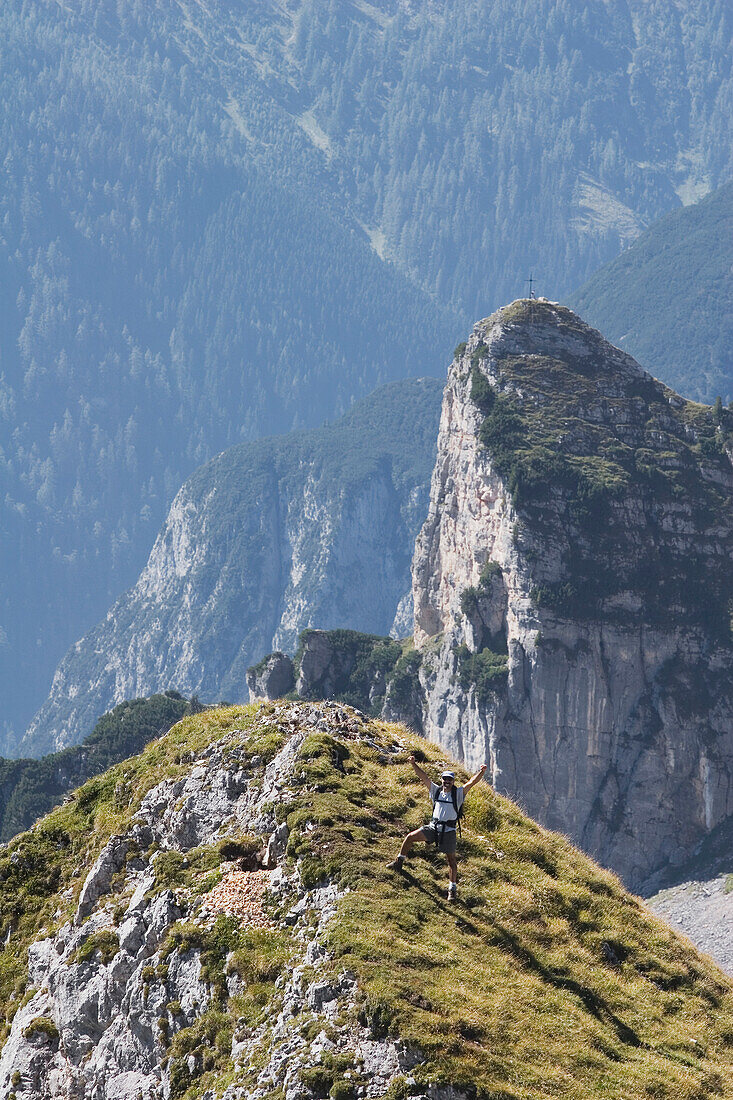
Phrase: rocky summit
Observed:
(573, 590)
(214, 918)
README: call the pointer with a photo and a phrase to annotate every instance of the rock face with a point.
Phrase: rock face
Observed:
(340, 663)
(572, 589)
(375, 674)
(267, 539)
(116, 983)
(272, 678)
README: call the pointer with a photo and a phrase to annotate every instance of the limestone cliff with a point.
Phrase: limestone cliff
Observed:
(572, 589)
(267, 539)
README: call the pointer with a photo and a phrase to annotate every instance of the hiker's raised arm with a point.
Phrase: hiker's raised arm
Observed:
(474, 779)
(420, 773)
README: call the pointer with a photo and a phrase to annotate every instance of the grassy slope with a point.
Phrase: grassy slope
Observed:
(547, 980)
(668, 298)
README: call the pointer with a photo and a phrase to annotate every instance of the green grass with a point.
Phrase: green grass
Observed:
(484, 671)
(545, 980)
(510, 994)
(326, 1079)
(38, 865)
(105, 943)
(42, 1025)
(259, 957)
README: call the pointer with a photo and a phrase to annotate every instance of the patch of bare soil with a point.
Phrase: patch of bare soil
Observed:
(240, 894)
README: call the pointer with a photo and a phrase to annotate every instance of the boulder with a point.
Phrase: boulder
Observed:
(272, 678)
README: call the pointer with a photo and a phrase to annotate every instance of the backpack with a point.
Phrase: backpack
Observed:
(454, 799)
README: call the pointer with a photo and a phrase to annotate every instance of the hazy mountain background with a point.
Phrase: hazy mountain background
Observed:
(668, 298)
(311, 528)
(338, 508)
(219, 221)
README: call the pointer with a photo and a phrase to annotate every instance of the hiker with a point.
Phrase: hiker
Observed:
(447, 802)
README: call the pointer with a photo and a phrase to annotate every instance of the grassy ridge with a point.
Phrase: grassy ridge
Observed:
(546, 980)
(549, 980)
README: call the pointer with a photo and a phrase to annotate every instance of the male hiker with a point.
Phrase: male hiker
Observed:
(447, 802)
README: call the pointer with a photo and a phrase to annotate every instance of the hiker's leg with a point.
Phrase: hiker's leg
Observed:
(410, 839)
(407, 843)
(452, 866)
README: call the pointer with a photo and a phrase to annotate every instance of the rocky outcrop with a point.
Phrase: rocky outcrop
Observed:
(272, 678)
(114, 985)
(572, 587)
(315, 528)
(376, 674)
(339, 663)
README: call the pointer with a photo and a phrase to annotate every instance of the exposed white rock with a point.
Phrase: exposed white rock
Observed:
(99, 1022)
(588, 733)
(272, 678)
(110, 860)
(229, 580)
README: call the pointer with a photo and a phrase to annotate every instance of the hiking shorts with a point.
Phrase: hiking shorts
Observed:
(444, 838)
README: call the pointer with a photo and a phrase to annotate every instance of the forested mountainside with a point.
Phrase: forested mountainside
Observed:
(169, 288)
(266, 539)
(214, 918)
(30, 788)
(196, 206)
(668, 298)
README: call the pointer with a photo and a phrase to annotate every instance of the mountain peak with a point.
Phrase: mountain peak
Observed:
(573, 575)
(574, 428)
(539, 327)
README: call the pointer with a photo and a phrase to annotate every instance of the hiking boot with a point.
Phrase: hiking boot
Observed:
(396, 864)
(451, 891)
